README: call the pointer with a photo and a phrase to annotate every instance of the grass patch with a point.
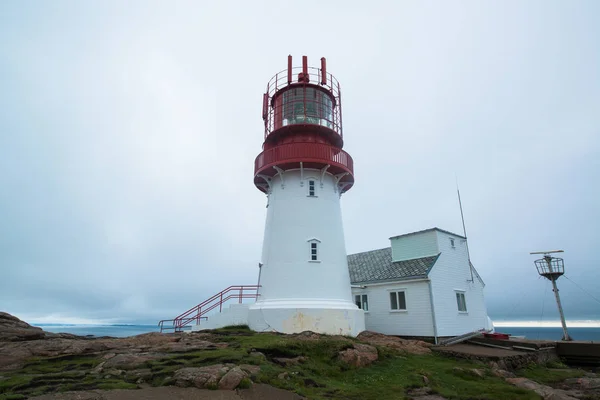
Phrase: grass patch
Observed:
(60, 364)
(392, 378)
(12, 397)
(241, 327)
(324, 349)
(549, 376)
(245, 384)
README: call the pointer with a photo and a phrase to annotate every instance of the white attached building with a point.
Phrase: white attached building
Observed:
(421, 286)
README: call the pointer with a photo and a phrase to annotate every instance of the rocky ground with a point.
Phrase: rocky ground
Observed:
(236, 363)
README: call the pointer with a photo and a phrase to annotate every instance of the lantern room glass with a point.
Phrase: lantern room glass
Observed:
(306, 105)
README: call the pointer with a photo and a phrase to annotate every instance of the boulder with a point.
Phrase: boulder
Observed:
(200, 377)
(252, 370)
(477, 372)
(258, 355)
(232, 379)
(360, 355)
(12, 329)
(283, 376)
(501, 373)
(394, 342)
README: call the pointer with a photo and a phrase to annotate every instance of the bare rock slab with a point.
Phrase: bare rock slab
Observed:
(130, 361)
(12, 329)
(546, 392)
(360, 355)
(394, 342)
(155, 393)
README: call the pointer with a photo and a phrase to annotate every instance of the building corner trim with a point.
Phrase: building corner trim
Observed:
(435, 333)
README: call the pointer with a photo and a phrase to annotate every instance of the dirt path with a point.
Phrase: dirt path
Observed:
(257, 392)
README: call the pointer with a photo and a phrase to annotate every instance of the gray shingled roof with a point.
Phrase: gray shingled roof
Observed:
(377, 266)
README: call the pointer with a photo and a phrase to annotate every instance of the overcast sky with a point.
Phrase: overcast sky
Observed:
(128, 132)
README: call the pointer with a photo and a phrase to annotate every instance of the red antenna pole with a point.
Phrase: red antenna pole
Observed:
(305, 68)
(265, 105)
(323, 71)
(289, 69)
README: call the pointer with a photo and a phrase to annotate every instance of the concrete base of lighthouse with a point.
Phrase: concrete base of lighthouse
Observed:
(290, 316)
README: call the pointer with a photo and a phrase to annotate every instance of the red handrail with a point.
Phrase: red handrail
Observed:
(318, 78)
(197, 313)
(307, 152)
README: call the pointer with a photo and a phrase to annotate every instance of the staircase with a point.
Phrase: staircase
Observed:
(198, 313)
(462, 338)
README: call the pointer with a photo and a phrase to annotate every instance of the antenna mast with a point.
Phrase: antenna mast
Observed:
(462, 217)
(552, 268)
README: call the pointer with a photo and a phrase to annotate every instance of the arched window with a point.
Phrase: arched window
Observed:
(313, 246)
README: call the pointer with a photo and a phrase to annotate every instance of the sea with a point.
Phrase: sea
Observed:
(114, 330)
(552, 333)
(125, 330)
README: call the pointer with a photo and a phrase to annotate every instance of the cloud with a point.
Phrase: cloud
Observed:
(128, 135)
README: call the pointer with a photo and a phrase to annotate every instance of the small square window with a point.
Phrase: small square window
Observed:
(398, 301)
(452, 242)
(311, 188)
(362, 301)
(461, 302)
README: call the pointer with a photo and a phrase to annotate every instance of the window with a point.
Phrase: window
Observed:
(311, 188)
(398, 301)
(452, 242)
(461, 302)
(314, 256)
(313, 247)
(362, 301)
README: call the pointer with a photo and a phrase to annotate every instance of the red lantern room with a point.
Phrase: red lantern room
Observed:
(302, 112)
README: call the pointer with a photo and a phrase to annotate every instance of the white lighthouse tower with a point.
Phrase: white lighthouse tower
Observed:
(304, 279)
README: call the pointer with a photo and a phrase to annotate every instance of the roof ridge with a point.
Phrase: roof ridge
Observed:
(435, 228)
(370, 251)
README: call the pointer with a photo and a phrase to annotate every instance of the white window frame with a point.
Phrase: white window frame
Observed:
(313, 257)
(458, 295)
(396, 291)
(362, 299)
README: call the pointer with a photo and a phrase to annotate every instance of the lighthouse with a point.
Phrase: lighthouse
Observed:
(303, 170)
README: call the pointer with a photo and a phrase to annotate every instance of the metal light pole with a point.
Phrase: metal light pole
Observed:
(552, 268)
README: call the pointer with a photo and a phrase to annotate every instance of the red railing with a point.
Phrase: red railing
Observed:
(305, 152)
(307, 106)
(198, 312)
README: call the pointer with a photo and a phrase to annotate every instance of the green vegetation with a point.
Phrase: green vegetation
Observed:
(320, 376)
(245, 384)
(549, 374)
